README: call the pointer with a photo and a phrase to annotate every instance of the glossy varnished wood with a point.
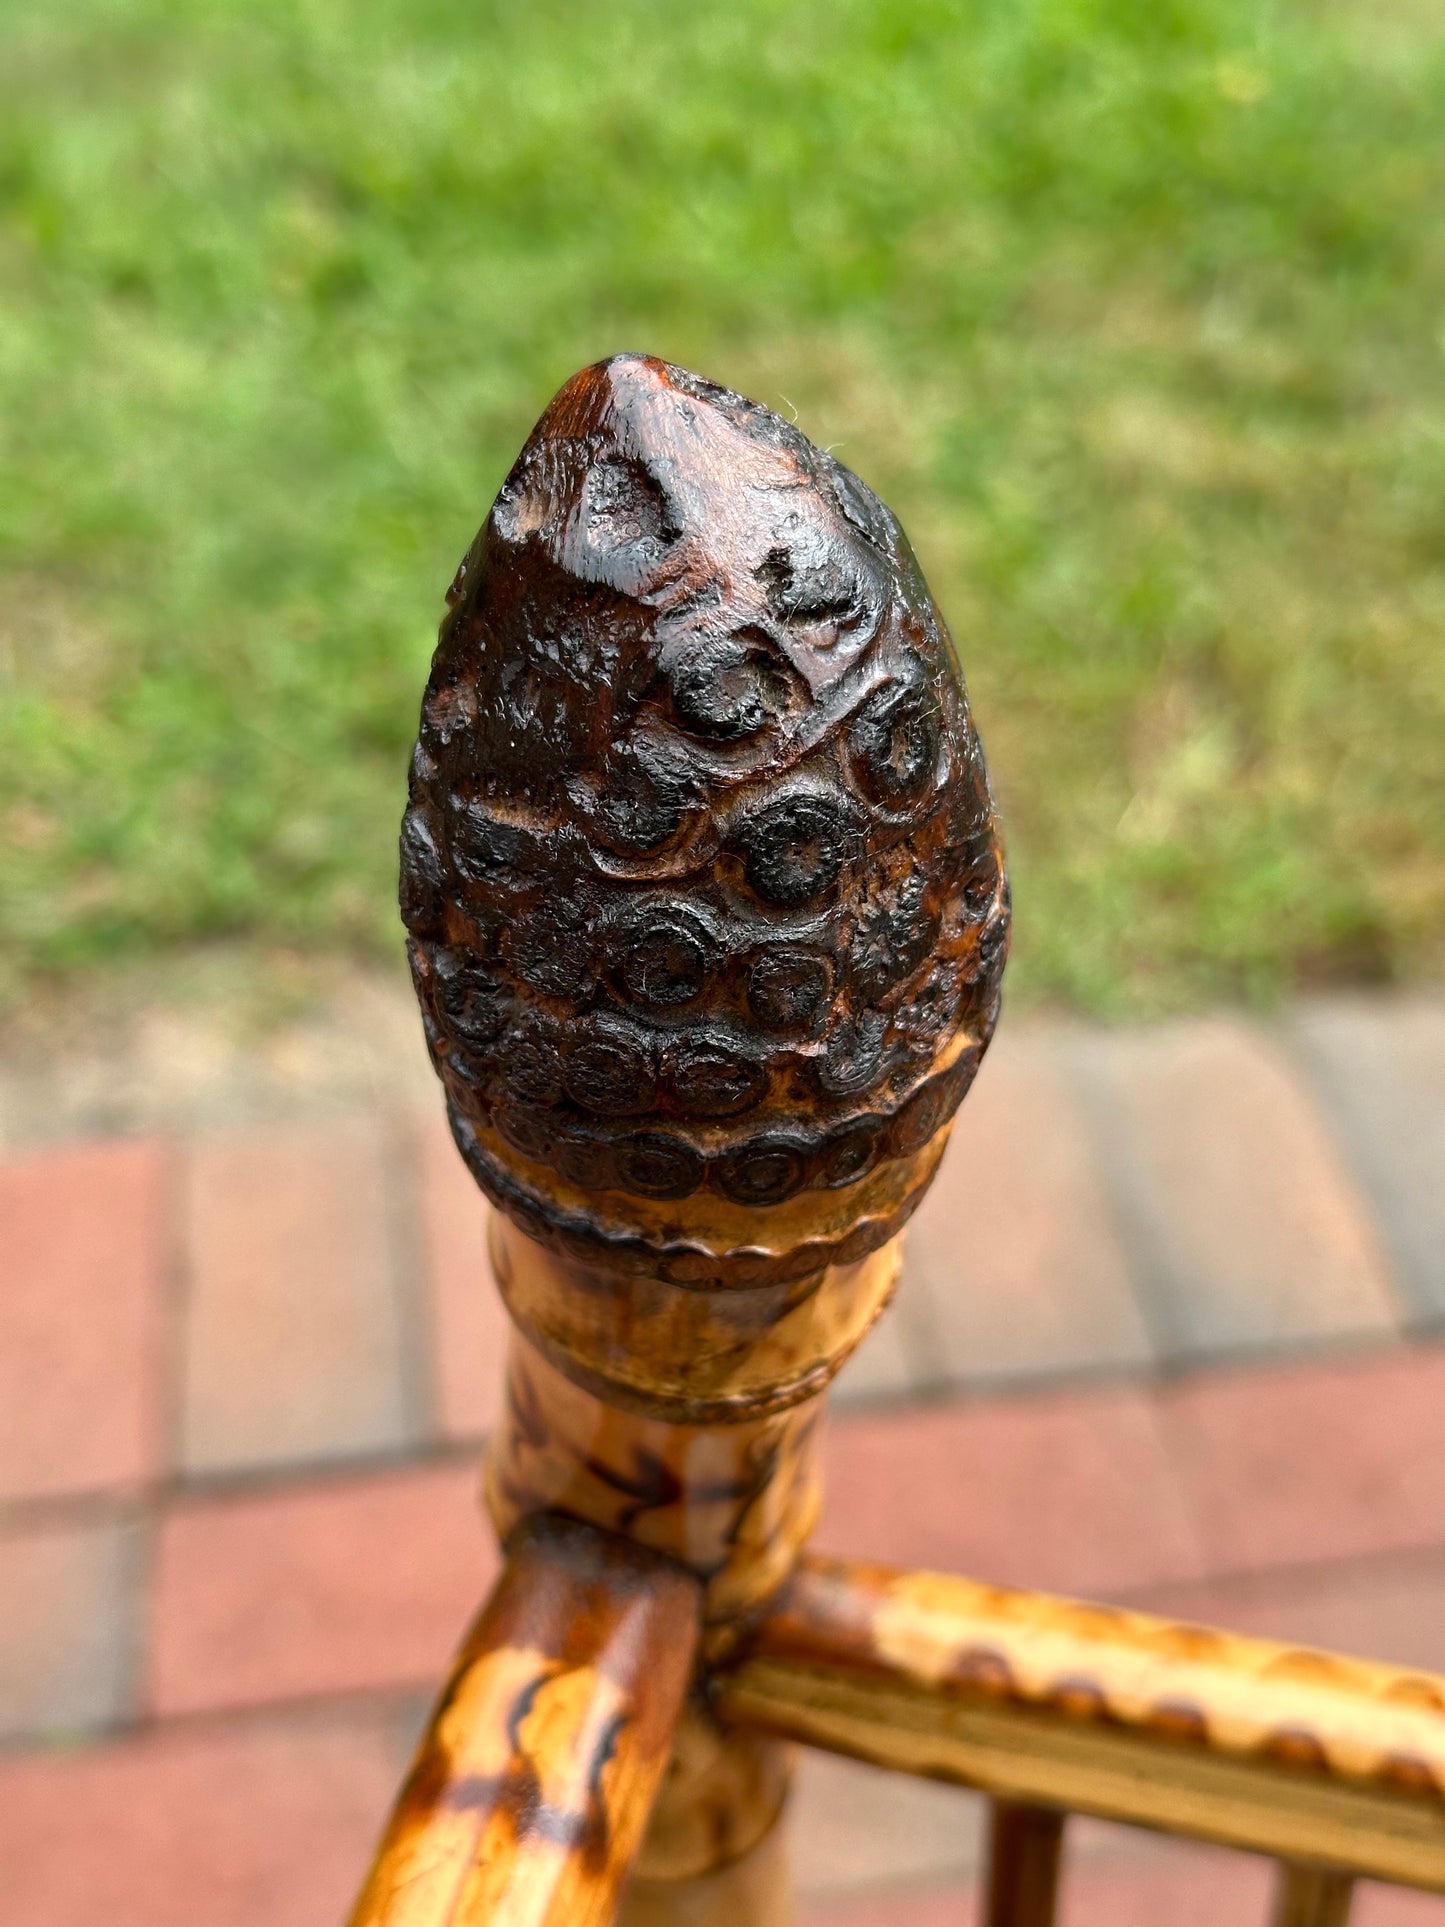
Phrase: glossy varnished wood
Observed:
(686, 1420)
(689, 1357)
(533, 1783)
(722, 1794)
(1304, 1755)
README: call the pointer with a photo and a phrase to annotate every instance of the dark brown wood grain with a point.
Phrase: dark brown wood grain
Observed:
(533, 1783)
(706, 902)
(707, 918)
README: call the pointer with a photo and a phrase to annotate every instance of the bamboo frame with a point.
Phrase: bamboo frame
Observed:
(1306, 1756)
(1334, 1766)
(707, 918)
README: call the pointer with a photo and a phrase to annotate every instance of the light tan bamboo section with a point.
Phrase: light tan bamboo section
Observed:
(1338, 1763)
(733, 1501)
(532, 1786)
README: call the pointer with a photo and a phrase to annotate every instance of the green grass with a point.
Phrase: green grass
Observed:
(1134, 311)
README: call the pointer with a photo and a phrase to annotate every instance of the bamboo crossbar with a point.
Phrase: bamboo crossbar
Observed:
(1302, 1755)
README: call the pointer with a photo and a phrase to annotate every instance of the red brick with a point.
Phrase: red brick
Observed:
(1117, 1877)
(251, 1822)
(1145, 1883)
(67, 1625)
(1124, 1877)
(1316, 1461)
(468, 1323)
(1073, 1493)
(1381, 1063)
(1175, 1885)
(853, 1826)
(326, 1589)
(1249, 1225)
(1395, 1907)
(913, 1905)
(293, 1340)
(81, 1317)
(883, 1367)
(1015, 1248)
(1112, 1877)
(1390, 1608)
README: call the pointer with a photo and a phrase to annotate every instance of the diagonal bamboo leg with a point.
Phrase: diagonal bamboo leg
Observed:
(532, 1786)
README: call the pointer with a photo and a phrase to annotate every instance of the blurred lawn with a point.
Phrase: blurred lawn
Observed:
(1134, 312)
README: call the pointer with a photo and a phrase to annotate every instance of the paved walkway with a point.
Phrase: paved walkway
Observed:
(1168, 1336)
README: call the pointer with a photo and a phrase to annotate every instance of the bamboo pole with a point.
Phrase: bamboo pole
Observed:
(1025, 1847)
(1306, 1756)
(531, 1788)
(1312, 1897)
(707, 916)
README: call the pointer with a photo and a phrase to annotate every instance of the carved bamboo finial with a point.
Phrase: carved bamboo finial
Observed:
(706, 902)
(707, 918)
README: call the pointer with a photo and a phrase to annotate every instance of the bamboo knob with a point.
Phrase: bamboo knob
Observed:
(705, 898)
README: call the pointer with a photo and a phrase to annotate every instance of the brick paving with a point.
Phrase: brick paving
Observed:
(1249, 1232)
(1172, 1332)
(1069, 1492)
(466, 1328)
(82, 1319)
(291, 1334)
(1017, 1265)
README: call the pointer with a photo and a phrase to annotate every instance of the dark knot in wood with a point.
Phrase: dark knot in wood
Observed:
(705, 897)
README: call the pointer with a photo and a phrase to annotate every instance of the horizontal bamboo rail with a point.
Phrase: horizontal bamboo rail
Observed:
(1048, 1702)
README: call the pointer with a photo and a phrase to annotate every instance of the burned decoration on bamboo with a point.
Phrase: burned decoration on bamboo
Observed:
(706, 905)
(707, 918)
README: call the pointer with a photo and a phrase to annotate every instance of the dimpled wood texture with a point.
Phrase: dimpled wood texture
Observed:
(706, 904)
(1301, 1754)
(532, 1785)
